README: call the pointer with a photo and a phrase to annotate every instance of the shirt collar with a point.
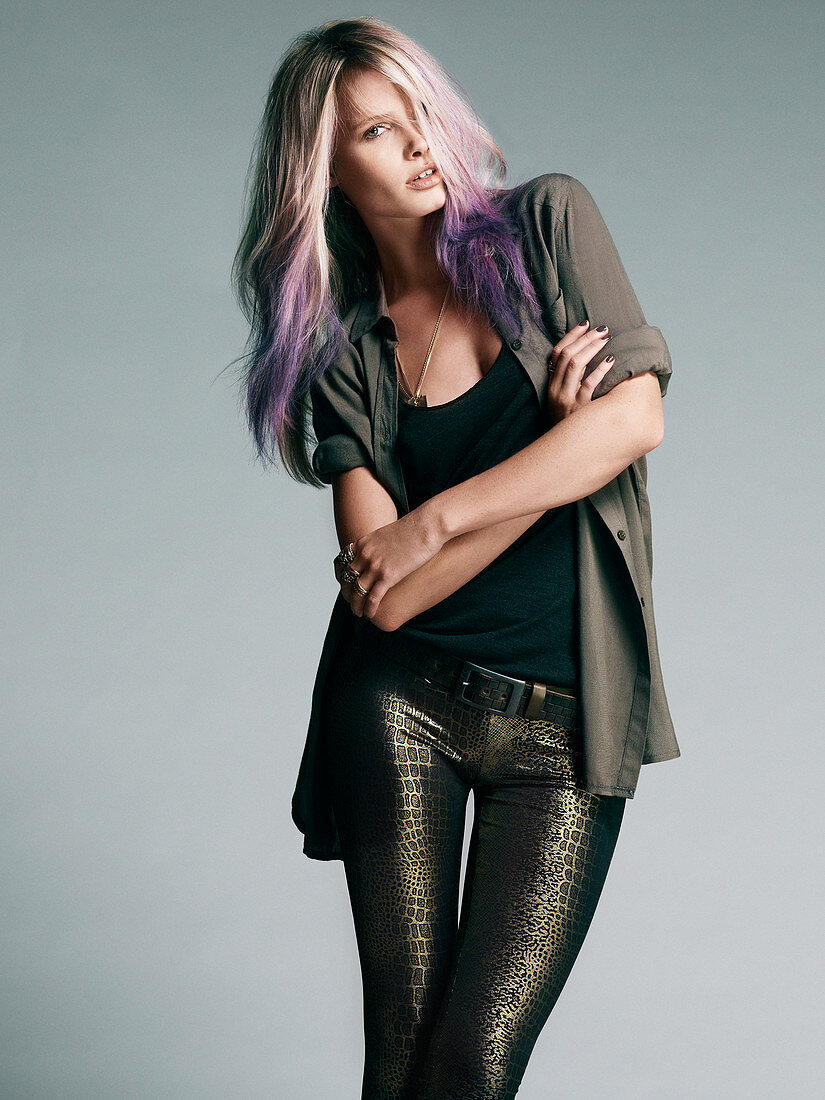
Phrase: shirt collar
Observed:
(532, 345)
(372, 309)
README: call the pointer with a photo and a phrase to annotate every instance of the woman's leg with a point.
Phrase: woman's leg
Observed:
(540, 850)
(399, 806)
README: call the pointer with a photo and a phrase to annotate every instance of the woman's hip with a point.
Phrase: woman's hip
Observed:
(385, 688)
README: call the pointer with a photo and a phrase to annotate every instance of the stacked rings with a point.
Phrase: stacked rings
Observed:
(350, 575)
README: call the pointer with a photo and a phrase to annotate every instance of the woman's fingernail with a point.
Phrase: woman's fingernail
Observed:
(584, 323)
(610, 358)
(601, 328)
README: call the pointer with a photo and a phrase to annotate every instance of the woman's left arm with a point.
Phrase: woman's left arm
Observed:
(625, 419)
(573, 459)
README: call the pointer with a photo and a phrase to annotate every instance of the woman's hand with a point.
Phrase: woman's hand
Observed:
(383, 558)
(566, 391)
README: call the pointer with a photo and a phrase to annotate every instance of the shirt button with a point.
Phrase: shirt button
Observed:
(622, 534)
(643, 600)
(515, 345)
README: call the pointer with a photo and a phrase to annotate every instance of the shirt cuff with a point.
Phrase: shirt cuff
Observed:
(637, 350)
(336, 454)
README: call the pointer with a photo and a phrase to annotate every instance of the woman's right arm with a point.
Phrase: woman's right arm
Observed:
(362, 504)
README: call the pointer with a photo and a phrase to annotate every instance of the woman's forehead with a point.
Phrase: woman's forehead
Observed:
(366, 92)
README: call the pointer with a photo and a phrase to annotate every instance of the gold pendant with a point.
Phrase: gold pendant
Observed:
(420, 401)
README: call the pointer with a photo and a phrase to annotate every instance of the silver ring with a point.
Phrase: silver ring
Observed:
(351, 575)
(358, 588)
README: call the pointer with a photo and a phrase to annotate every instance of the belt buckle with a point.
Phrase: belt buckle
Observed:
(515, 696)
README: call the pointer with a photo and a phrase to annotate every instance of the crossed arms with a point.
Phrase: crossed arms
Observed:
(478, 519)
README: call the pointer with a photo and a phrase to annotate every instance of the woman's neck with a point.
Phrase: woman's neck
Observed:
(408, 262)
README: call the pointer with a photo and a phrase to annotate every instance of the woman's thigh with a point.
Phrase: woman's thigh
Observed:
(399, 805)
(540, 850)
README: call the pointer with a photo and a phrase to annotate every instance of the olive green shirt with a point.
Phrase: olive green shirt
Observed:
(578, 275)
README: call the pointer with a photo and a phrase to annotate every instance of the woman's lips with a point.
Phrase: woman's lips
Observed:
(428, 181)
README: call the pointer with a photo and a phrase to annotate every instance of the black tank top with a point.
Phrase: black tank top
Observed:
(519, 614)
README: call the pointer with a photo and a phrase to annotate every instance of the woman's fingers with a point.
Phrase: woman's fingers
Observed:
(570, 357)
(570, 337)
(580, 357)
(357, 601)
(349, 589)
(567, 388)
(596, 375)
(578, 337)
(375, 582)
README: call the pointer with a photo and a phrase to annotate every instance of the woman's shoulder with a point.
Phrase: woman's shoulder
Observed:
(548, 189)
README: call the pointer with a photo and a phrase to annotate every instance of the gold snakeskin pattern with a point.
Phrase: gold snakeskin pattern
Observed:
(452, 1009)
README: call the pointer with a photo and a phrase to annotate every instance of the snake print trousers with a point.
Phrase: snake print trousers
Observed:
(453, 1007)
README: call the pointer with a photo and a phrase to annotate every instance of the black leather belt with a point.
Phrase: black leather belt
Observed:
(474, 684)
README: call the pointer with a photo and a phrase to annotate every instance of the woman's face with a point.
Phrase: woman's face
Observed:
(379, 151)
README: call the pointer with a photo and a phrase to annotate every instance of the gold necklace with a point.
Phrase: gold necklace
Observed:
(418, 398)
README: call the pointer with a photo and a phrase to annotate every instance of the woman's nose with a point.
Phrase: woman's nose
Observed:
(418, 143)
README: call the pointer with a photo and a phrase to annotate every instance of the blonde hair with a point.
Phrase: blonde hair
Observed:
(305, 255)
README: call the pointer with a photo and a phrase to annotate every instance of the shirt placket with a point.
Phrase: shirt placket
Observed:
(379, 354)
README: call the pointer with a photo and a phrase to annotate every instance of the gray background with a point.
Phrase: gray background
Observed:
(165, 599)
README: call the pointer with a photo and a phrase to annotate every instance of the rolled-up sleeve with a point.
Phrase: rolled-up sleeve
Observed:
(340, 418)
(595, 286)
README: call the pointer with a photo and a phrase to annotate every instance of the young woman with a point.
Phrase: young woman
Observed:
(483, 389)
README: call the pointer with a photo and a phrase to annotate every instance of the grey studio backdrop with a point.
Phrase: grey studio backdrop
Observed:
(165, 598)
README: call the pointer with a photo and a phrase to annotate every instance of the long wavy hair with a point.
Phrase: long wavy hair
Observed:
(306, 256)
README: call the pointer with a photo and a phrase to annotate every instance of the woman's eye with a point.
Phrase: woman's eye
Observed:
(369, 133)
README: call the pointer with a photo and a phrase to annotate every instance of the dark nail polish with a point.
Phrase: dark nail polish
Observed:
(601, 328)
(609, 358)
